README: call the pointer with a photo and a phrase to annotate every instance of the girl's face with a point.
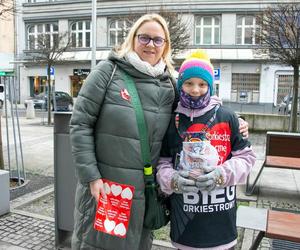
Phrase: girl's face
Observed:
(195, 87)
(150, 42)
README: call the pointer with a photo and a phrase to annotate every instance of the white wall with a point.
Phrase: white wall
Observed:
(269, 81)
(246, 68)
(228, 29)
(225, 81)
(102, 36)
(63, 27)
(5, 59)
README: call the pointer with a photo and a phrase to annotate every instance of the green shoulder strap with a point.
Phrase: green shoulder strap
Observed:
(140, 118)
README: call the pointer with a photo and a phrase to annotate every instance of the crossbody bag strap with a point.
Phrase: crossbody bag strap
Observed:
(111, 76)
(140, 118)
(211, 120)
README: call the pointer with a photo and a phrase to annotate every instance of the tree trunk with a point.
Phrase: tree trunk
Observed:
(49, 94)
(295, 98)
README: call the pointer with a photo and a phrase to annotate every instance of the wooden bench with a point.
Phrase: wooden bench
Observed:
(282, 151)
(270, 223)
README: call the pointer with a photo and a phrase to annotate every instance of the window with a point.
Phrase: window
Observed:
(42, 35)
(246, 30)
(245, 87)
(207, 30)
(81, 34)
(285, 86)
(37, 85)
(117, 31)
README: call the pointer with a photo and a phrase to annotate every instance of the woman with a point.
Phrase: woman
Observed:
(104, 133)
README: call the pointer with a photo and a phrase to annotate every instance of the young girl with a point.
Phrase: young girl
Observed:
(203, 157)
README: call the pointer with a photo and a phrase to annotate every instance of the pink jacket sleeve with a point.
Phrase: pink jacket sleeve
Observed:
(236, 169)
(164, 174)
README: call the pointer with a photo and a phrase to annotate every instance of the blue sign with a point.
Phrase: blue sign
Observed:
(52, 71)
(217, 74)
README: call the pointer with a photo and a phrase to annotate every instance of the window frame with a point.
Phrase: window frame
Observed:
(83, 32)
(200, 27)
(53, 33)
(118, 28)
(243, 26)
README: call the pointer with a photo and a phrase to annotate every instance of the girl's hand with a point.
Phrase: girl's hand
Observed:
(211, 179)
(181, 183)
(244, 128)
(97, 188)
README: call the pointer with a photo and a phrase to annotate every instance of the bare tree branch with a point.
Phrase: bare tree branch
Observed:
(48, 49)
(179, 32)
(280, 38)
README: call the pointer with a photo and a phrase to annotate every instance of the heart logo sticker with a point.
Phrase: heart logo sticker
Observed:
(116, 189)
(125, 95)
(120, 229)
(107, 188)
(127, 194)
(109, 225)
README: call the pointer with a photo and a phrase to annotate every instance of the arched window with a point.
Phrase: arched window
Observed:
(42, 35)
(207, 30)
(117, 31)
(81, 34)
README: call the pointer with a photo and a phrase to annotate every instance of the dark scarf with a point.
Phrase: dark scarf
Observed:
(188, 101)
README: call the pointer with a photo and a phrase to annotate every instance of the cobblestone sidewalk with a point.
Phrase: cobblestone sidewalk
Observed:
(27, 232)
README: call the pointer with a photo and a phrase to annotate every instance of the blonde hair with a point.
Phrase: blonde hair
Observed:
(128, 44)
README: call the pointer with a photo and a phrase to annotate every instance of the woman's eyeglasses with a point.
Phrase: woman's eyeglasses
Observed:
(145, 39)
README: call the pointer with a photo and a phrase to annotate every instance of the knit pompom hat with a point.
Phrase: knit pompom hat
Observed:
(197, 65)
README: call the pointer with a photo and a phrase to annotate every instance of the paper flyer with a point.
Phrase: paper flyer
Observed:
(113, 214)
(197, 152)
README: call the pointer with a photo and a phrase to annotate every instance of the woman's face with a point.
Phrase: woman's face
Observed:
(150, 50)
(195, 87)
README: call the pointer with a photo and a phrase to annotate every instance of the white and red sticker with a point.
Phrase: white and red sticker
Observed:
(125, 95)
(113, 214)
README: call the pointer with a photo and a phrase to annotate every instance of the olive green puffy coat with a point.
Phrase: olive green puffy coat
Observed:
(105, 143)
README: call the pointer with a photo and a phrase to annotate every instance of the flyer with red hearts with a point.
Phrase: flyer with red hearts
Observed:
(113, 214)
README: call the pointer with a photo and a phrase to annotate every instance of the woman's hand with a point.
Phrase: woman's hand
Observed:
(97, 188)
(244, 128)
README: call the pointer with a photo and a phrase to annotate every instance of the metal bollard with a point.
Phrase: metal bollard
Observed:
(30, 112)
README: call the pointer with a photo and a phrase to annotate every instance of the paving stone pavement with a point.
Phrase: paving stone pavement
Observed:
(27, 232)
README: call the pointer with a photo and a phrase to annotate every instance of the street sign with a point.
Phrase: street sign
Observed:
(80, 72)
(217, 74)
(6, 73)
(52, 71)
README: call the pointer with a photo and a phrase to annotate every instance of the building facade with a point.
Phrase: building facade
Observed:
(7, 40)
(225, 29)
